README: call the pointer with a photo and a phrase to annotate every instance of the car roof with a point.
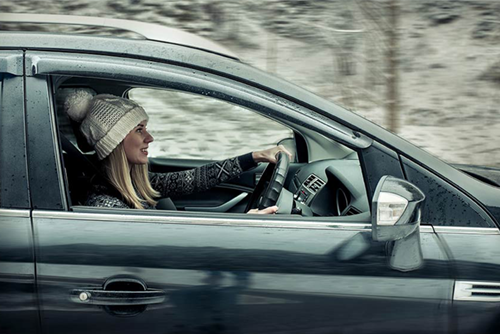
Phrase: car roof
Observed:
(150, 31)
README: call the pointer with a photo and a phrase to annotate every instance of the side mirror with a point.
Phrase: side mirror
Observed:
(396, 217)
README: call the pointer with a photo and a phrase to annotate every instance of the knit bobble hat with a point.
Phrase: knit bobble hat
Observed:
(105, 119)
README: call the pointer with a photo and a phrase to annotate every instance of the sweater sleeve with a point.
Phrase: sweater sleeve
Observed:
(105, 201)
(201, 178)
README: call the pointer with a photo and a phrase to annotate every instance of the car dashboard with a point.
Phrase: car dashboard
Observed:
(329, 188)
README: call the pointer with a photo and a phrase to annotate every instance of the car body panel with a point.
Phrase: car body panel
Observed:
(18, 297)
(490, 175)
(476, 259)
(18, 294)
(227, 273)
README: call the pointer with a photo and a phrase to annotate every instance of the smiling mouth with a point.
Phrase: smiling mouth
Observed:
(144, 150)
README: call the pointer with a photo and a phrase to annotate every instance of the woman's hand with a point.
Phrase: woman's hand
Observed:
(269, 211)
(269, 155)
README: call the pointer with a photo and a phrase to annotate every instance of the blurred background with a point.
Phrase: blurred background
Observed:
(426, 70)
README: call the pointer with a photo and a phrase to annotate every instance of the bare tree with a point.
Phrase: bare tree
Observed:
(381, 21)
(392, 59)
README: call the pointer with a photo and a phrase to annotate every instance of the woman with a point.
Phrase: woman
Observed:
(117, 129)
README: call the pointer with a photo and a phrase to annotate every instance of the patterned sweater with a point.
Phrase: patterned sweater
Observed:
(176, 183)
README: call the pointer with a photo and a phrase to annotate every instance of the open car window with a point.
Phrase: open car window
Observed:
(190, 129)
(189, 126)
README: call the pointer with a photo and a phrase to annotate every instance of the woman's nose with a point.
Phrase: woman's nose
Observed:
(148, 138)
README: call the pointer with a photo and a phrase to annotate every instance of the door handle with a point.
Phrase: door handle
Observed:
(221, 208)
(96, 296)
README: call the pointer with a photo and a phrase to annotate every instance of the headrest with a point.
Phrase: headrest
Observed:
(79, 138)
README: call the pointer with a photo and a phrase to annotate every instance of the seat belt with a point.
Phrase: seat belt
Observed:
(68, 146)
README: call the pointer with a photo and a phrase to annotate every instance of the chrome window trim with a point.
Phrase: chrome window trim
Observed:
(178, 219)
(14, 213)
(466, 230)
(426, 229)
(200, 220)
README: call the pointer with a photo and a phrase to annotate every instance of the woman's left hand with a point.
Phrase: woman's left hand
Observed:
(269, 155)
(269, 211)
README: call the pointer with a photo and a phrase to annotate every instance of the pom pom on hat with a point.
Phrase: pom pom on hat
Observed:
(77, 104)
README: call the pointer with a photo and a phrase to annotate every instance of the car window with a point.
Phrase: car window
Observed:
(188, 126)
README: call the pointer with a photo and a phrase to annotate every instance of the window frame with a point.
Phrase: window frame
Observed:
(165, 76)
(14, 188)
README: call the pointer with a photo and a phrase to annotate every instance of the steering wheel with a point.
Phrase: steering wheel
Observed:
(275, 174)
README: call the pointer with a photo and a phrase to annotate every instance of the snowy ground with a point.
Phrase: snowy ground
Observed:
(449, 57)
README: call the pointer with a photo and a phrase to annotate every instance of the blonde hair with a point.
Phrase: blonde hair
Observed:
(131, 181)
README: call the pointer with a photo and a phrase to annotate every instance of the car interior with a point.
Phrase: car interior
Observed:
(324, 179)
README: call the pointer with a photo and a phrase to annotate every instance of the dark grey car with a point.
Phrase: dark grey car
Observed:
(374, 235)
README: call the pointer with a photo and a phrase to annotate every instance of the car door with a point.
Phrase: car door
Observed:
(125, 271)
(18, 302)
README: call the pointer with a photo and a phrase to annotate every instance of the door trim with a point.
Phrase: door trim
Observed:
(14, 213)
(215, 221)
(466, 230)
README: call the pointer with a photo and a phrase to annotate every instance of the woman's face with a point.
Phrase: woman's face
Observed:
(136, 144)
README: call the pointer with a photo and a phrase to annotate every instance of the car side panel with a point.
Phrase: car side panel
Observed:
(476, 257)
(18, 302)
(227, 277)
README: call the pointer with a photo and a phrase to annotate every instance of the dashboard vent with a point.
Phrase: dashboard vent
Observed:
(314, 183)
(352, 211)
(477, 291)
